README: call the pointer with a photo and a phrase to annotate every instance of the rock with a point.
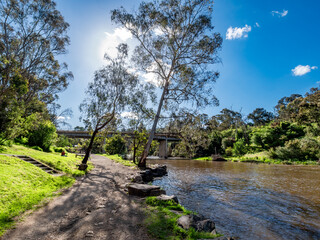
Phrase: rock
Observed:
(197, 222)
(184, 222)
(89, 234)
(147, 175)
(144, 190)
(167, 198)
(205, 226)
(159, 170)
(137, 179)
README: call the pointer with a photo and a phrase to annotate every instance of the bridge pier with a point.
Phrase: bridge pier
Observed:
(163, 149)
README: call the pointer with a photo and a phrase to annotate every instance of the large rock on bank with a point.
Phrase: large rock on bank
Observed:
(155, 171)
(144, 190)
(197, 222)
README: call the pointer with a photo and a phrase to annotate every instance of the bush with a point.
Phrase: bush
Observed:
(44, 136)
(227, 142)
(298, 149)
(63, 141)
(239, 148)
(59, 149)
(37, 148)
(115, 145)
(228, 151)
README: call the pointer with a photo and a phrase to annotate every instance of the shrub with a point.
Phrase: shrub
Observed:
(43, 136)
(227, 142)
(239, 148)
(37, 148)
(59, 149)
(63, 141)
(228, 151)
(298, 149)
(115, 145)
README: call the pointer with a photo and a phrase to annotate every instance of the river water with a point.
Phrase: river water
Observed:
(247, 200)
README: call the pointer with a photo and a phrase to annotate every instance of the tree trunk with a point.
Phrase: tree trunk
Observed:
(88, 151)
(142, 162)
(134, 150)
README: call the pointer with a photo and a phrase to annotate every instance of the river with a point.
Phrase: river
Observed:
(247, 200)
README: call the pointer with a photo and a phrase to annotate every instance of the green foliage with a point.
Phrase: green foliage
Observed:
(37, 148)
(44, 136)
(59, 149)
(227, 143)
(298, 149)
(115, 145)
(239, 148)
(276, 134)
(22, 186)
(63, 141)
(162, 221)
(228, 151)
(138, 143)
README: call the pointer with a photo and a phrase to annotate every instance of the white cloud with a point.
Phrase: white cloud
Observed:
(234, 33)
(112, 40)
(130, 115)
(302, 70)
(61, 118)
(257, 25)
(280, 14)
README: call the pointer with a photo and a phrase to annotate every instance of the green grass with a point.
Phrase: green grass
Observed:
(263, 157)
(161, 221)
(203, 158)
(65, 164)
(117, 158)
(23, 186)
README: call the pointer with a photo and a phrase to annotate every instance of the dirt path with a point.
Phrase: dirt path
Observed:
(96, 207)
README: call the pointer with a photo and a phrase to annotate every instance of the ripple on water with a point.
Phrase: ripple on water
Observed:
(251, 201)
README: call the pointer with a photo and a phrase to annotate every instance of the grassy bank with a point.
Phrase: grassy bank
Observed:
(162, 219)
(261, 157)
(65, 164)
(24, 186)
(117, 158)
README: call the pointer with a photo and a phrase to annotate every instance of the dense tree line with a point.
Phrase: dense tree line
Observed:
(290, 133)
(32, 34)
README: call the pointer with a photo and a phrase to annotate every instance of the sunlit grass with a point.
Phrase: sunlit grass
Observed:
(23, 186)
(162, 219)
(117, 158)
(65, 164)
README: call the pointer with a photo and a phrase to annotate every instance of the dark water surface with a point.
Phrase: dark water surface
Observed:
(249, 201)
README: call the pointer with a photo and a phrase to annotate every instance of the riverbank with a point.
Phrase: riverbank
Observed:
(97, 206)
(261, 157)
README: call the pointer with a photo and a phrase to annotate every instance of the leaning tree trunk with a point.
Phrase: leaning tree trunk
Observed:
(84, 165)
(143, 160)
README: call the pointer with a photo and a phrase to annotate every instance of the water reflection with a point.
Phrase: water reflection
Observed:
(250, 201)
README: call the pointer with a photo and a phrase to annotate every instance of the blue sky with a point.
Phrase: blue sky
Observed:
(270, 49)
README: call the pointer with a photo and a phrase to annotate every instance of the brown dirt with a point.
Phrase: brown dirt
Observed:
(97, 206)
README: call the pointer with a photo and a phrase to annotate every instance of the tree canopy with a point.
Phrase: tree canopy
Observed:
(177, 44)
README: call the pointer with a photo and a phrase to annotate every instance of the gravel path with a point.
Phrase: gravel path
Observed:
(96, 207)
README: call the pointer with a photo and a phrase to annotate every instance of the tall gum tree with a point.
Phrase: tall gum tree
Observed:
(178, 45)
(113, 90)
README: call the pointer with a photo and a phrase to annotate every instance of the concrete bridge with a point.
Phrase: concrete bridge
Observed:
(162, 138)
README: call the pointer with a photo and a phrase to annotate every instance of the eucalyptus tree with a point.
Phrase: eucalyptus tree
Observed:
(112, 91)
(32, 34)
(260, 116)
(177, 44)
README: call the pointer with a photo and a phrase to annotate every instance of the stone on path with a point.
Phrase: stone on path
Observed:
(144, 190)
